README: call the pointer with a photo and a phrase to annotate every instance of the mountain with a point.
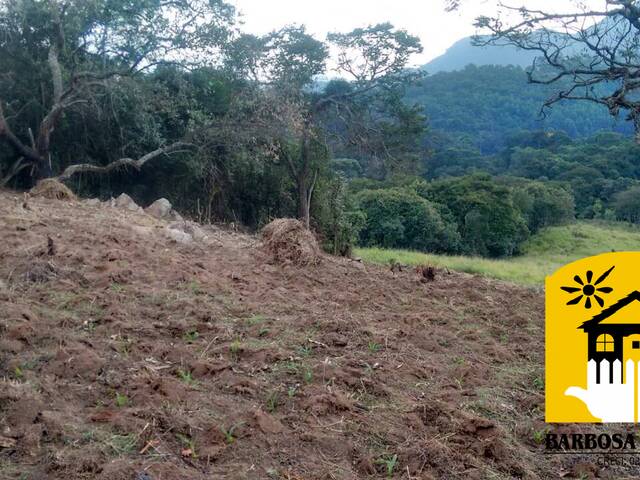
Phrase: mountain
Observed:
(484, 106)
(463, 53)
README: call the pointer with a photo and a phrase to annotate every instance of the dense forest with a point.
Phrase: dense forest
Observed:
(171, 100)
(483, 106)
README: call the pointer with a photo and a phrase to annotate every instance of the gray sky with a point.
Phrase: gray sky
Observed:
(425, 18)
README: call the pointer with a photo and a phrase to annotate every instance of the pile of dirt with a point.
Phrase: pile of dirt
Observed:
(52, 189)
(288, 241)
(160, 360)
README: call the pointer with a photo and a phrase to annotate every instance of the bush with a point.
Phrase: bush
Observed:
(627, 204)
(339, 219)
(397, 218)
(543, 204)
(488, 221)
(347, 167)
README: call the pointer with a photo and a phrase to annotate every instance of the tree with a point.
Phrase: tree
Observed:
(543, 203)
(627, 204)
(488, 221)
(398, 218)
(287, 63)
(594, 53)
(70, 52)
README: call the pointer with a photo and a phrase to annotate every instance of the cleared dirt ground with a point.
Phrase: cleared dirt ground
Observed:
(125, 355)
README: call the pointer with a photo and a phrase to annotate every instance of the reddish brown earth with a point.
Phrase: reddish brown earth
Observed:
(125, 355)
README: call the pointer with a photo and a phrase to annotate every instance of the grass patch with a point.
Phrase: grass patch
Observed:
(122, 444)
(543, 253)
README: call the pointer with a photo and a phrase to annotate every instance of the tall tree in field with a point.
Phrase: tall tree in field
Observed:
(373, 61)
(592, 54)
(64, 54)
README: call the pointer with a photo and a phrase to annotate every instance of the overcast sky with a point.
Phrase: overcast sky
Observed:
(437, 29)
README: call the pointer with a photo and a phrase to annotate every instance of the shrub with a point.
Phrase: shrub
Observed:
(488, 221)
(346, 167)
(397, 218)
(627, 204)
(543, 204)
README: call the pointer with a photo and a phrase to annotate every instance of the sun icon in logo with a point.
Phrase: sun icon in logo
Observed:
(588, 289)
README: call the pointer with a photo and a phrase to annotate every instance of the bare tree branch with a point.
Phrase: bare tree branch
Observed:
(593, 55)
(16, 168)
(124, 162)
(21, 148)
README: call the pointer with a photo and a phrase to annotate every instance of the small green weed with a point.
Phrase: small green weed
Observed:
(235, 348)
(122, 444)
(190, 336)
(186, 377)
(195, 287)
(189, 445)
(390, 462)
(229, 436)
(273, 399)
(307, 375)
(18, 373)
(121, 400)
(538, 383)
(256, 319)
(539, 435)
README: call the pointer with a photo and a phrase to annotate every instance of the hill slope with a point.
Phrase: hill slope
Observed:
(126, 355)
(487, 104)
(463, 53)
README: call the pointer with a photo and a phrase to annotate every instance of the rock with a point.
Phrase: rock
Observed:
(126, 202)
(178, 235)
(191, 228)
(92, 202)
(358, 265)
(161, 208)
(175, 216)
(198, 234)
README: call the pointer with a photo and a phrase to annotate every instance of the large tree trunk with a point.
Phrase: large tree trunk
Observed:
(305, 179)
(304, 202)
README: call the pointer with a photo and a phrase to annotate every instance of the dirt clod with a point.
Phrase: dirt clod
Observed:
(426, 273)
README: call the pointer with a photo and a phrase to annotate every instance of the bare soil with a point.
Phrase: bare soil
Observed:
(126, 355)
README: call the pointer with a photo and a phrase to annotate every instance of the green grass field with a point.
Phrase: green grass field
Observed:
(543, 253)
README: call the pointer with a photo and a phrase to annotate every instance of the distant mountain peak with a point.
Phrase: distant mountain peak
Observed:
(463, 53)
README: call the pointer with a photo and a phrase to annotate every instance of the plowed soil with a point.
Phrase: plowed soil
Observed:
(125, 355)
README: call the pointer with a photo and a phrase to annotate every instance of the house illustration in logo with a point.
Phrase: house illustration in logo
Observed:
(614, 334)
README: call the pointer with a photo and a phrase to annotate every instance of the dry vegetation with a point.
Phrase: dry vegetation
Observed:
(126, 355)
